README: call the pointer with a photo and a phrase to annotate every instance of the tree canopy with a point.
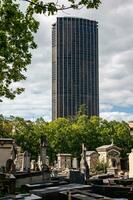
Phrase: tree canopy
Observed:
(17, 30)
(67, 135)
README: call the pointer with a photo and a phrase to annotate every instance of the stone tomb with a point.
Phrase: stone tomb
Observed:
(22, 161)
(92, 159)
(6, 148)
(64, 161)
(110, 155)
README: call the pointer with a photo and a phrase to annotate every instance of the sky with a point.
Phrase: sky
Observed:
(115, 19)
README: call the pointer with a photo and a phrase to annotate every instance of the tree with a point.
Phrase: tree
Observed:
(16, 38)
(51, 8)
(122, 137)
(66, 135)
(27, 136)
(58, 133)
(5, 126)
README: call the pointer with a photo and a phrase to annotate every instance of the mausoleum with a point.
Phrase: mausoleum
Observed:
(110, 154)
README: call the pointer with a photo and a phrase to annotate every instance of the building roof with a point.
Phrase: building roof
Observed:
(130, 124)
(88, 153)
(108, 147)
(6, 141)
(64, 154)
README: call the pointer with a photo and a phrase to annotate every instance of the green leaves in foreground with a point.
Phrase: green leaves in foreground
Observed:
(16, 40)
(37, 6)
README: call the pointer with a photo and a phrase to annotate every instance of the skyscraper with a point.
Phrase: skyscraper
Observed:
(75, 78)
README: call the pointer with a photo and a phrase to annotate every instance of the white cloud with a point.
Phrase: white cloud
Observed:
(105, 107)
(119, 116)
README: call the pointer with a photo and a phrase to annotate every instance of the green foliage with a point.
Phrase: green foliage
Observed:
(66, 135)
(16, 40)
(51, 8)
(101, 167)
(5, 127)
(27, 134)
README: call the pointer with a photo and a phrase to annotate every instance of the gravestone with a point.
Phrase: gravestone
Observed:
(26, 161)
(76, 177)
(39, 162)
(19, 161)
(92, 159)
(74, 163)
(64, 161)
(33, 165)
(131, 164)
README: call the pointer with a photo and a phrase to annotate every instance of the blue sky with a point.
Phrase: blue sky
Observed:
(115, 20)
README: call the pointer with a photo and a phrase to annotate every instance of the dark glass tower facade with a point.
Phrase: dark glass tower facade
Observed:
(75, 77)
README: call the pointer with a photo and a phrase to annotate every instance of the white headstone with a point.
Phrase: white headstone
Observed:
(32, 165)
(26, 162)
(131, 164)
(74, 163)
(39, 162)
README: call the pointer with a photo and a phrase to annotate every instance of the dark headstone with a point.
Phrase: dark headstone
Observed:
(76, 177)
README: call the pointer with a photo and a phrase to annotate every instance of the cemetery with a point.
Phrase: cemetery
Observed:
(67, 179)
